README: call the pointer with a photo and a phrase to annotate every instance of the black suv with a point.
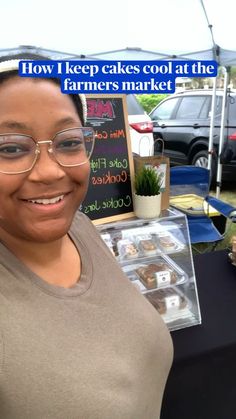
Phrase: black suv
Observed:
(183, 121)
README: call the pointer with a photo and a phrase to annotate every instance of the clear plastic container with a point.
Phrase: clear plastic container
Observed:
(170, 302)
(168, 243)
(154, 273)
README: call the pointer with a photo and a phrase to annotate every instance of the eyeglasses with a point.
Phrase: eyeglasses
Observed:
(71, 147)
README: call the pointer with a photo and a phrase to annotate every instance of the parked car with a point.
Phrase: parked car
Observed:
(183, 122)
(141, 128)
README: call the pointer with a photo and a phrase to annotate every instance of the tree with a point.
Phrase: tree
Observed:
(148, 102)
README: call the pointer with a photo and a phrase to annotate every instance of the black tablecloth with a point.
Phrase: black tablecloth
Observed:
(202, 382)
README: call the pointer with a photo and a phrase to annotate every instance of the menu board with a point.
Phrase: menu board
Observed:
(109, 196)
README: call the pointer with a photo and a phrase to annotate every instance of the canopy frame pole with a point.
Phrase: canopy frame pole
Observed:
(212, 126)
(222, 132)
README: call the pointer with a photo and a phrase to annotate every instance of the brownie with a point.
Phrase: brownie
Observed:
(148, 246)
(160, 298)
(150, 278)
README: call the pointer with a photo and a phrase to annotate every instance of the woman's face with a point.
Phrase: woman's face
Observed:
(39, 109)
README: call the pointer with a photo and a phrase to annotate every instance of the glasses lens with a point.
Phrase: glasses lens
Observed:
(73, 146)
(17, 153)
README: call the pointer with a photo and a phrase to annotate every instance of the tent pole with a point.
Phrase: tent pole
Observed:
(222, 131)
(212, 125)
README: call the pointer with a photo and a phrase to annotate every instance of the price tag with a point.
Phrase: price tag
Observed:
(163, 278)
(172, 302)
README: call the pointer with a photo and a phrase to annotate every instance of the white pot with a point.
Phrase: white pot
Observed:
(147, 206)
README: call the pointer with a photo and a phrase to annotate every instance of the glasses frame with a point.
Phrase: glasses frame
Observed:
(50, 149)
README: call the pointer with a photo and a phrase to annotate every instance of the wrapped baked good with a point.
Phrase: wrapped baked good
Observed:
(127, 249)
(147, 244)
(115, 240)
(156, 275)
(167, 299)
(167, 242)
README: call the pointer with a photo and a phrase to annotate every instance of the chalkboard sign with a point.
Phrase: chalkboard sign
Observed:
(109, 196)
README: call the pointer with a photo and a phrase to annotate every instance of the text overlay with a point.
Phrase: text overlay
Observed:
(117, 76)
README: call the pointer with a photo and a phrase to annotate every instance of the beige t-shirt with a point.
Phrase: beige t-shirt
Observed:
(98, 350)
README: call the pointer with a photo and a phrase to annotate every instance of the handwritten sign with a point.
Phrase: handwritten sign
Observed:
(109, 196)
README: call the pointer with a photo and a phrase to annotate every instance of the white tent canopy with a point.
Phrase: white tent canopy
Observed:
(223, 57)
(169, 27)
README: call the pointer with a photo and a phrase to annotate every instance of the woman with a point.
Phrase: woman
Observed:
(77, 339)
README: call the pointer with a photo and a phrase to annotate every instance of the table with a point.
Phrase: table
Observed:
(202, 382)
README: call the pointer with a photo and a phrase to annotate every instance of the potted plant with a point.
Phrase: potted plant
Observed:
(147, 194)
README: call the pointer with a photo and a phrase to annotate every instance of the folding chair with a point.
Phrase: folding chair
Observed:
(189, 193)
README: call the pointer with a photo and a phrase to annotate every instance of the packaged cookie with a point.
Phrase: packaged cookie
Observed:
(127, 249)
(156, 275)
(147, 244)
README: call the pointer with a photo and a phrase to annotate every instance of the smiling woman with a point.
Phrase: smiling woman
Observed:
(28, 175)
(79, 340)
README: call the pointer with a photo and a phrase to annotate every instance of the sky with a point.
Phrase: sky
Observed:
(87, 27)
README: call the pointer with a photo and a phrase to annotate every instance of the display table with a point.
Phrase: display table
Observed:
(202, 382)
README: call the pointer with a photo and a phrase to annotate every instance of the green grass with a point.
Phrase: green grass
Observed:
(227, 194)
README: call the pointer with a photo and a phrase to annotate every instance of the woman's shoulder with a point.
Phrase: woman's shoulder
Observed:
(82, 228)
(84, 231)
(82, 223)
(1, 351)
